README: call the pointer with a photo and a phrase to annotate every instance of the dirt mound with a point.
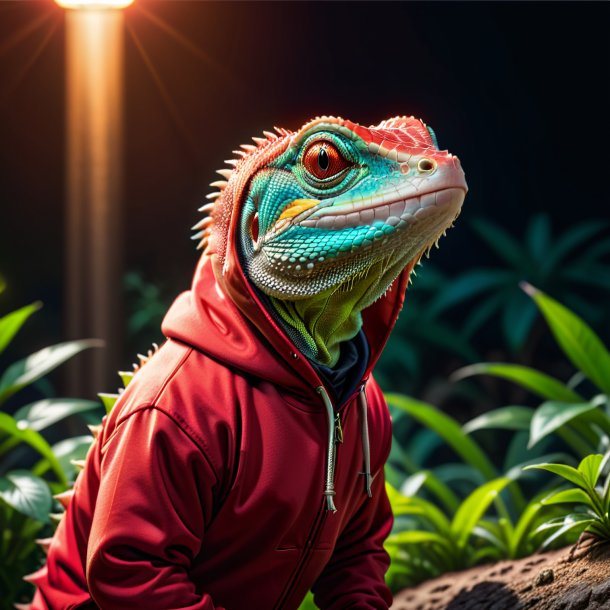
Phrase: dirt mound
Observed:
(574, 578)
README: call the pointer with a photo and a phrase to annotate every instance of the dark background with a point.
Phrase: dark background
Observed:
(518, 90)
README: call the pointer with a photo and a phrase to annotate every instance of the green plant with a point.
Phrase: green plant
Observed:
(562, 266)
(25, 496)
(411, 354)
(434, 543)
(575, 411)
(454, 515)
(596, 500)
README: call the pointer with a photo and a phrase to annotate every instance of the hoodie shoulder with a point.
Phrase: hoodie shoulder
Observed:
(195, 392)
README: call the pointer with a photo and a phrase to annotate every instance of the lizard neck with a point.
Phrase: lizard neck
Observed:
(319, 324)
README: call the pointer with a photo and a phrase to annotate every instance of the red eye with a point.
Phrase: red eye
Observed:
(322, 160)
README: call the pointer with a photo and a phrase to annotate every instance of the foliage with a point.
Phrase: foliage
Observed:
(596, 500)
(25, 497)
(147, 303)
(420, 335)
(564, 266)
(426, 542)
(575, 411)
(454, 515)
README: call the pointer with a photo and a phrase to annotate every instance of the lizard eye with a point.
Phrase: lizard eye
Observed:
(323, 160)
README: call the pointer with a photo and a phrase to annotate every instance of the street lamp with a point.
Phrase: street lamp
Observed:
(93, 4)
(94, 151)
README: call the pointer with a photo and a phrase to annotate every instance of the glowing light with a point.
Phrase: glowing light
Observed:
(93, 4)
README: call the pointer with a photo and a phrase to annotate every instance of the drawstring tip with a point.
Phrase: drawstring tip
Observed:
(367, 478)
(330, 503)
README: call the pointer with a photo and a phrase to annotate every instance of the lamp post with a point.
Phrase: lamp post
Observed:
(94, 117)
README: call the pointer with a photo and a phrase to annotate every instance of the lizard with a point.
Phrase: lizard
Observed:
(201, 488)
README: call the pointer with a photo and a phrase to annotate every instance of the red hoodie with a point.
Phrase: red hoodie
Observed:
(205, 488)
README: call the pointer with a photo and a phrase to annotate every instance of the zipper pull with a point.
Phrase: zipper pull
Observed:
(338, 428)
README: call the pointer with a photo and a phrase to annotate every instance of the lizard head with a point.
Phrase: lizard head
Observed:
(336, 206)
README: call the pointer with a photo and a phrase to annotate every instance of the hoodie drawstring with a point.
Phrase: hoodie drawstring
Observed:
(329, 487)
(366, 449)
(329, 484)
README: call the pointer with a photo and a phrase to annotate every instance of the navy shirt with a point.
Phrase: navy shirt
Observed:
(345, 377)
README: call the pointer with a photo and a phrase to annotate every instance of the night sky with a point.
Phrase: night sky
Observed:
(518, 90)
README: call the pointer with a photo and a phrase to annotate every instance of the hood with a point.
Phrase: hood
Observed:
(223, 317)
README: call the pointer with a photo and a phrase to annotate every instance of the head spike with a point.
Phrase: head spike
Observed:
(202, 224)
(207, 208)
(64, 497)
(95, 430)
(270, 135)
(232, 162)
(213, 195)
(44, 544)
(259, 141)
(225, 173)
(78, 464)
(219, 184)
(248, 147)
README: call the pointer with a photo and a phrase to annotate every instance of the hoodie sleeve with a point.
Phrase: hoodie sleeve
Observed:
(354, 576)
(154, 501)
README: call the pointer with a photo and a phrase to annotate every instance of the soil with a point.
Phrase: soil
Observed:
(574, 578)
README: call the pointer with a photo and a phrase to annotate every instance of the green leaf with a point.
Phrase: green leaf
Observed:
(578, 521)
(520, 532)
(539, 383)
(424, 509)
(574, 496)
(416, 537)
(590, 469)
(12, 322)
(448, 429)
(69, 449)
(570, 240)
(481, 313)
(22, 373)
(467, 286)
(502, 243)
(538, 237)
(473, 508)
(505, 418)
(517, 320)
(9, 426)
(435, 486)
(566, 472)
(44, 413)
(27, 494)
(553, 414)
(579, 343)
(516, 472)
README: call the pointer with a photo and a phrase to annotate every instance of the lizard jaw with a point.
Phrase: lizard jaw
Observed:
(395, 213)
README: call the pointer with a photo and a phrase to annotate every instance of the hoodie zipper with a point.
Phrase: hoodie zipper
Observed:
(335, 436)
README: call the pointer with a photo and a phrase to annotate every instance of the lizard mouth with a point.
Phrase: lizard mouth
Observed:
(383, 210)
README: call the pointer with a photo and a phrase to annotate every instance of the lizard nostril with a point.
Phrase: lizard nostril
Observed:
(426, 166)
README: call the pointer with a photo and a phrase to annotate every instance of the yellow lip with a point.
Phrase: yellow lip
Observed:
(294, 208)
